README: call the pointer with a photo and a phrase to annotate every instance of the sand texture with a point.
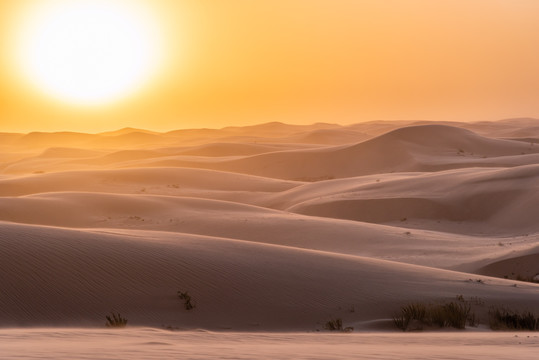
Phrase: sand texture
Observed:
(272, 227)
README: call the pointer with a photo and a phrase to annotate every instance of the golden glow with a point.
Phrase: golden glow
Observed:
(88, 51)
(239, 62)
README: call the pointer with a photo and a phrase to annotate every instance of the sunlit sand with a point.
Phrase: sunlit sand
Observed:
(273, 230)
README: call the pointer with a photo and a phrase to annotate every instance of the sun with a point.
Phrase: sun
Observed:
(89, 52)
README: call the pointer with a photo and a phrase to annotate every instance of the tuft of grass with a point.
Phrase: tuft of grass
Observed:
(115, 320)
(401, 322)
(504, 319)
(453, 314)
(415, 311)
(184, 295)
(334, 325)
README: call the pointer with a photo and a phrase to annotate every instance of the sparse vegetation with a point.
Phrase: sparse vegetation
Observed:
(416, 311)
(401, 321)
(336, 325)
(115, 320)
(479, 281)
(453, 314)
(186, 300)
(504, 319)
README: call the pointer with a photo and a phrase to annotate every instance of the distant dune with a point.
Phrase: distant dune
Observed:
(497, 201)
(268, 227)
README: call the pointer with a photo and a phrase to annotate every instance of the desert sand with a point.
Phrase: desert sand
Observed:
(273, 229)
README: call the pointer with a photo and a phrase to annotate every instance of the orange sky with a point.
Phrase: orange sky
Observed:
(239, 62)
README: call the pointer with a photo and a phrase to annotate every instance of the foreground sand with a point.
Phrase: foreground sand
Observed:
(272, 227)
(144, 343)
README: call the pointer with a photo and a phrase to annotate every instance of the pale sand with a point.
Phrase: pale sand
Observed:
(271, 227)
(145, 343)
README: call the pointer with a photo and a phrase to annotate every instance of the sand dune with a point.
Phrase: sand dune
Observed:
(43, 140)
(235, 220)
(488, 200)
(160, 181)
(507, 128)
(228, 149)
(277, 129)
(421, 148)
(61, 152)
(236, 285)
(414, 148)
(127, 130)
(269, 227)
(131, 139)
(7, 139)
(522, 267)
(328, 137)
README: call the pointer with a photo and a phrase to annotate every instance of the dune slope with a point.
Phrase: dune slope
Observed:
(66, 277)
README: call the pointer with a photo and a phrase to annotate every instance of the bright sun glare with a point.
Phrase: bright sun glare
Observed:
(89, 52)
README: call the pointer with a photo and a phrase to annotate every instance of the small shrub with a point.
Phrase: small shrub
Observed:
(115, 320)
(401, 322)
(472, 320)
(504, 319)
(416, 311)
(334, 325)
(452, 314)
(186, 300)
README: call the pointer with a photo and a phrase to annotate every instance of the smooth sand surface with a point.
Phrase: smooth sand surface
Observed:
(272, 227)
(146, 343)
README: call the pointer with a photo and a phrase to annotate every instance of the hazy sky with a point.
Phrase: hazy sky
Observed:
(241, 62)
